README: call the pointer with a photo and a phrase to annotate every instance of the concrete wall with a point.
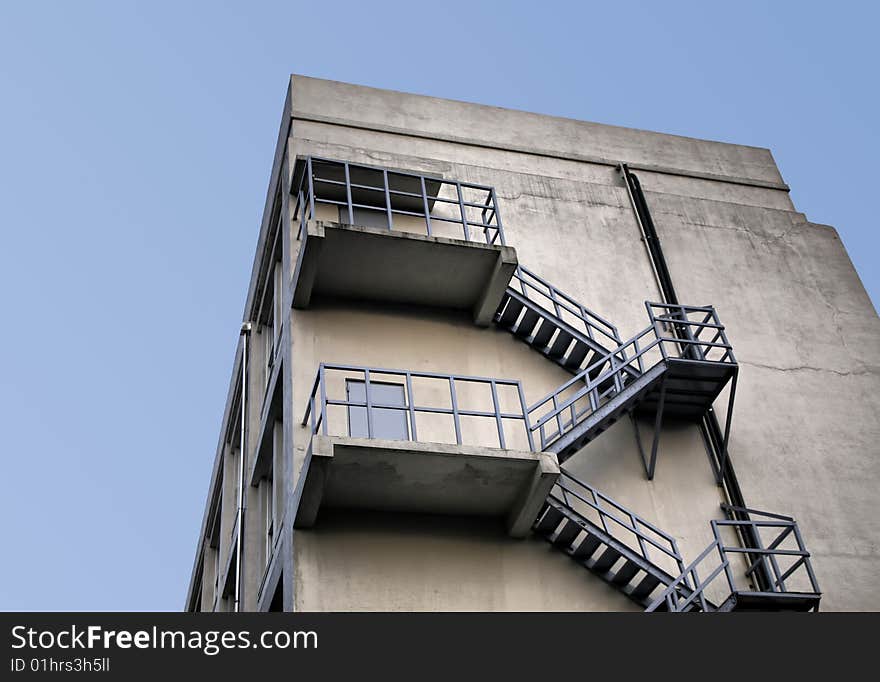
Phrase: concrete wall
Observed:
(369, 561)
(804, 331)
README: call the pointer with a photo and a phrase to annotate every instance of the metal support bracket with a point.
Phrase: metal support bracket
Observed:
(658, 423)
(727, 422)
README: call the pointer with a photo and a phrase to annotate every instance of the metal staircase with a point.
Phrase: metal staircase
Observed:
(677, 366)
(614, 543)
(554, 324)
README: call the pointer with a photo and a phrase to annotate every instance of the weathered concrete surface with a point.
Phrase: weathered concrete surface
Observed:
(794, 308)
(366, 263)
(805, 429)
(423, 477)
(371, 561)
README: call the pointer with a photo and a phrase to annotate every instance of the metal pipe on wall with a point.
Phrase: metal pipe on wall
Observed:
(245, 335)
(710, 430)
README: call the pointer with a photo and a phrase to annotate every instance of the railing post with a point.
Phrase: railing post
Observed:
(525, 413)
(497, 415)
(642, 547)
(678, 558)
(638, 355)
(455, 410)
(723, 557)
(597, 502)
(387, 199)
(593, 393)
(587, 324)
(807, 564)
(500, 229)
(311, 189)
(369, 402)
(348, 197)
(410, 401)
(464, 222)
(615, 372)
(558, 415)
(556, 309)
(323, 384)
(427, 207)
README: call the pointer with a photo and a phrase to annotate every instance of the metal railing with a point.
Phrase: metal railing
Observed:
(459, 389)
(563, 306)
(672, 334)
(771, 556)
(643, 537)
(376, 196)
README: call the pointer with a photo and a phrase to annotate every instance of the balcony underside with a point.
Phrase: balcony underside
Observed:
(691, 388)
(365, 263)
(433, 478)
(771, 601)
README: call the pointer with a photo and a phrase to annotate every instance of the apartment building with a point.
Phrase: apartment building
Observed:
(495, 360)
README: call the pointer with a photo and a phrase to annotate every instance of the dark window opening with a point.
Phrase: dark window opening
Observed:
(388, 423)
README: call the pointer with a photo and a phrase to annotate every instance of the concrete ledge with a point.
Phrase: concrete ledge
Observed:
(434, 478)
(349, 261)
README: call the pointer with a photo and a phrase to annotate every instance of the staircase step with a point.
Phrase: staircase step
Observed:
(645, 587)
(587, 547)
(568, 533)
(527, 324)
(626, 573)
(577, 355)
(560, 344)
(511, 312)
(542, 336)
(598, 369)
(549, 521)
(605, 561)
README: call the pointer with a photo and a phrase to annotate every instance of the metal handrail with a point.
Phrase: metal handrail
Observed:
(608, 375)
(309, 193)
(766, 557)
(552, 299)
(316, 409)
(623, 517)
(676, 599)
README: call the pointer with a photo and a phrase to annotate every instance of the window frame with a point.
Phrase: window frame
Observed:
(403, 405)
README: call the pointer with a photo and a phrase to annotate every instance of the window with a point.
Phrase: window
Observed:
(272, 331)
(366, 217)
(277, 303)
(217, 586)
(388, 423)
(268, 495)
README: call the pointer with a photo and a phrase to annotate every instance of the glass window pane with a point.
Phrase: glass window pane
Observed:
(389, 424)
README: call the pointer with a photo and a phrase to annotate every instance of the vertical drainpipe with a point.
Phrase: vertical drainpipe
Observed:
(709, 427)
(245, 335)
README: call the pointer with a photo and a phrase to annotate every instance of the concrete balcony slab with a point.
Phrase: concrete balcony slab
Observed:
(434, 478)
(367, 263)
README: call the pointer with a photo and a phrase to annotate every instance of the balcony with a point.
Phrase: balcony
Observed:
(778, 577)
(397, 440)
(385, 235)
(677, 366)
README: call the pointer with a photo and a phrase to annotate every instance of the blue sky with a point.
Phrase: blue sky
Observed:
(135, 146)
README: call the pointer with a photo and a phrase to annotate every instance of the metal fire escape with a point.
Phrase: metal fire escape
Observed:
(677, 366)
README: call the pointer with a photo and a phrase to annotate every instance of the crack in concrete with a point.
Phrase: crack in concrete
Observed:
(809, 368)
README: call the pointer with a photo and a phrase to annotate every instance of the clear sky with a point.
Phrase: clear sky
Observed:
(135, 146)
